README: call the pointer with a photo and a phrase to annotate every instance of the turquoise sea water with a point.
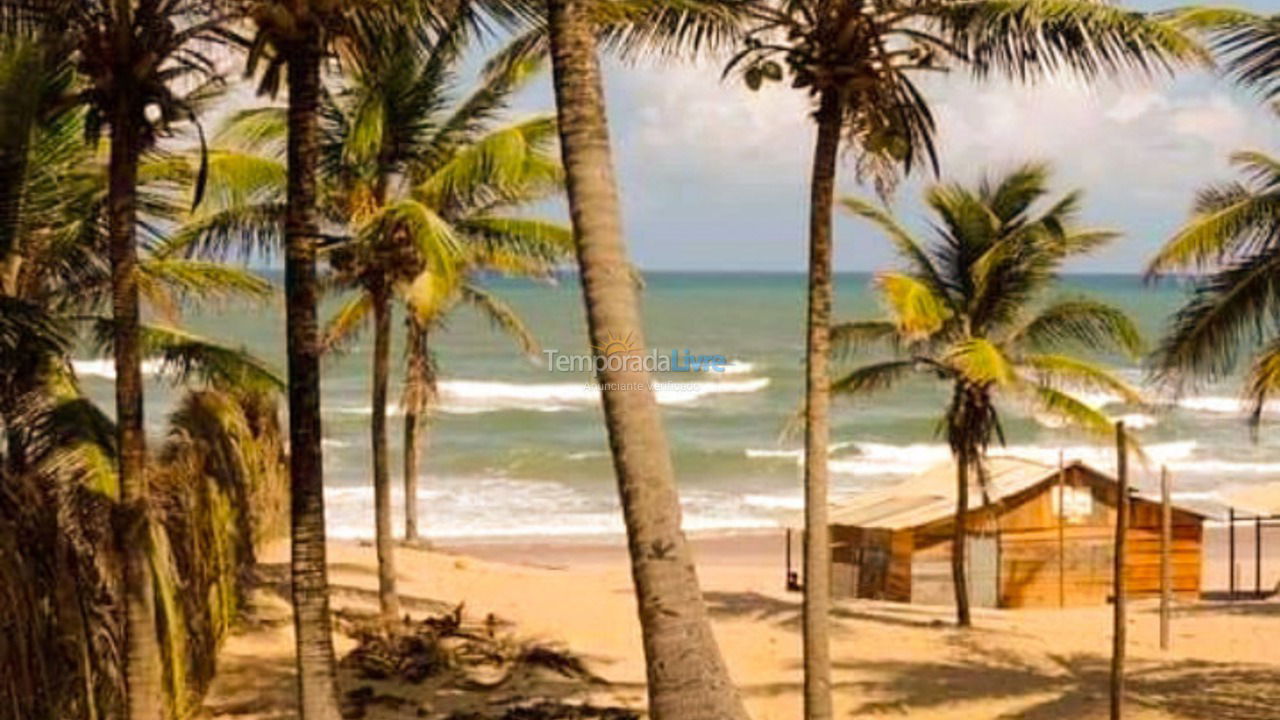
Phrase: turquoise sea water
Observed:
(519, 450)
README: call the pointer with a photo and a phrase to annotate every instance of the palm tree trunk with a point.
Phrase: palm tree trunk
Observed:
(388, 601)
(317, 693)
(410, 475)
(817, 546)
(960, 534)
(143, 679)
(418, 391)
(687, 677)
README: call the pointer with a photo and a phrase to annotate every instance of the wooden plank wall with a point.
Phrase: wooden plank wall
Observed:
(1031, 555)
(870, 563)
(1029, 550)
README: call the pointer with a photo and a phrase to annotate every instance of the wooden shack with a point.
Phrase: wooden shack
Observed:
(1038, 537)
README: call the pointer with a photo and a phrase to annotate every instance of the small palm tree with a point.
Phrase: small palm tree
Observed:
(858, 62)
(1230, 241)
(418, 187)
(969, 309)
(426, 186)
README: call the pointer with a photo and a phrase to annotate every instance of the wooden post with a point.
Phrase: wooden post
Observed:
(789, 582)
(1062, 532)
(1231, 554)
(1166, 560)
(1257, 556)
(1119, 628)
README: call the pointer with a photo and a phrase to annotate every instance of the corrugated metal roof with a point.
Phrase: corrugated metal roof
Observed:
(931, 496)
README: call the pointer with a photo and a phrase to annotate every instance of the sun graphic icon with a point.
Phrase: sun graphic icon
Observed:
(614, 345)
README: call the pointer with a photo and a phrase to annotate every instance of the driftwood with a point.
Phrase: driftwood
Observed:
(555, 711)
(448, 653)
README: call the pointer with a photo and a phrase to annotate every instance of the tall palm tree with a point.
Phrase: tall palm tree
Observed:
(133, 54)
(687, 678)
(969, 309)
(857, 62)
(292, 37)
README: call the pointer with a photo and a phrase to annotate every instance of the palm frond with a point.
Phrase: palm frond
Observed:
(517, 246)
(1262, 381)
(186, 356)
(1068, 409)
(260, 131)
(906, 244)
(1230, 221)
(872, 378)
(1248, 43)
(1227, 310)
(1070, 373)
(1028, 39)
(637, 28)
(244, 231)
(503, 166)
(421, 227)
(502, 316)
(1080, 323)
(343, 329)
(980, 362)
(163, 281)
(850, 338)
(917, 311)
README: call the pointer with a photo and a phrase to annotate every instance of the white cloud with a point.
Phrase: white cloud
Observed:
(705, 153)
(1109, 135)
(689, 115)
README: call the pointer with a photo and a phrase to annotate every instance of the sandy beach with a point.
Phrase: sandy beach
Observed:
(891, 660)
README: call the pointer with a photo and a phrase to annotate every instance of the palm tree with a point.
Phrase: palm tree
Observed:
(418, 187)
(969, 310)
(299, 33)
(857, 61)
(687, 678)
(1230, 240)
(424, 186)
(132, 54)
(58, 455)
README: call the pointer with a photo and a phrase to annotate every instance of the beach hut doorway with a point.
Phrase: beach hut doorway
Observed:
(983, 555)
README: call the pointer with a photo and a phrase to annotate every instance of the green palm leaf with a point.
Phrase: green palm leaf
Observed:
(502, 316)
(1070, 373)
(1028, 38)
(186, 357)
(873, 378)
(1082, 324)
(917, 311)
(980, 362)
(344, 327)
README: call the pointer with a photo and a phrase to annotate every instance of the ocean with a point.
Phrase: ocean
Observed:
(517, 450)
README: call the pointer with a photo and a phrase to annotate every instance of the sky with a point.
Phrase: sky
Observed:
(714, 177)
